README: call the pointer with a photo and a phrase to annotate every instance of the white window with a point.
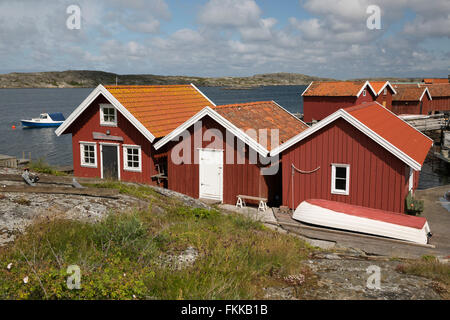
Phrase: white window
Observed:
(340, 179)
(88, 152)
(132, 160)
(385, 91)
(108, 115)
(364, 92)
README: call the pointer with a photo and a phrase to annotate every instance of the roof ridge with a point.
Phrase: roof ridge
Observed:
(243, 104)
(148, 86)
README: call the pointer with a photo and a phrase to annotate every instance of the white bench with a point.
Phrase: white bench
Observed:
(241, 202)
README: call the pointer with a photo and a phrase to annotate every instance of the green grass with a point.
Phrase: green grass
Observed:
(138, 191)
(429, 267)
(41, 166)
(121, 257)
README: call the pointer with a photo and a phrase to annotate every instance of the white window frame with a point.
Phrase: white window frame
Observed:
(411, 179)
(364, 92)
(82, 159)
(125, 158)
(102, 121)
(345, 192)
(385, 91)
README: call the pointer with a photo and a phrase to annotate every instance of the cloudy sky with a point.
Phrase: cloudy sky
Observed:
(228, 37)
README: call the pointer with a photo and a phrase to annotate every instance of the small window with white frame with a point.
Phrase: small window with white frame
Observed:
(364, 92)
(132, 158)
(88, 152)
(340, 179)
(108, 115)
(385, 91)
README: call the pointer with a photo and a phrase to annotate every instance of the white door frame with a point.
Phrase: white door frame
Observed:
(101, 157)
(200, 175)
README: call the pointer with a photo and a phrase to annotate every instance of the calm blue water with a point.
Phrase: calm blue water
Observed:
(17, 104)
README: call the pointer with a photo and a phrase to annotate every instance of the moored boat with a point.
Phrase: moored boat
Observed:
(45, 120)
(360, 219)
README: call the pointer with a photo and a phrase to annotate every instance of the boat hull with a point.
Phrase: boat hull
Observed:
(345, 217)
(31, 124)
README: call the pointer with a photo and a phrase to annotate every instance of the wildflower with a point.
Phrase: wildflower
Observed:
(25, 280)
(9, 266)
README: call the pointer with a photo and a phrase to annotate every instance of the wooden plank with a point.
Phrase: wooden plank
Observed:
(92, 192)
(49, 179)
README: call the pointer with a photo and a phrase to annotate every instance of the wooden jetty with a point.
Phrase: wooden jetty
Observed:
(427, 122)
(11, 161)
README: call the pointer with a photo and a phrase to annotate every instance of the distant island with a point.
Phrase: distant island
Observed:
(89, 79)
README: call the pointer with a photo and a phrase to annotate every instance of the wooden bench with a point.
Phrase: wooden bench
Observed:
(241, 202)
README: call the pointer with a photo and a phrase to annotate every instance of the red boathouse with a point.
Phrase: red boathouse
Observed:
(320, 99)
(411, 99)
(114, 129)
(363, 155)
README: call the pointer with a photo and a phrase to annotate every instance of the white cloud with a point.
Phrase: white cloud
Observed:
(230, 13)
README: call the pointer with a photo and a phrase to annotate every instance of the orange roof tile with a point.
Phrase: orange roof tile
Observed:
(436, 80)
(393, 129)
(334, 88)
(408, 92)
(160, 109)
(377, 85)
(263, 115)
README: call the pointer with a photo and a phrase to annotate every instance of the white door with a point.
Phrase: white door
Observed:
(211, 174)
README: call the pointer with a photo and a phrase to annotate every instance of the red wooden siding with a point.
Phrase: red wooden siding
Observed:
(440, 104)
(318, 108)
(89, 122)
(377, 178)
(237, 178)
(412, 107)
(385, 99)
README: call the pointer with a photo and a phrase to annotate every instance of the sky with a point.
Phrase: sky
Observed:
(216, 38)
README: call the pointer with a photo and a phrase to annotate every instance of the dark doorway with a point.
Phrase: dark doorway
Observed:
(109, 162)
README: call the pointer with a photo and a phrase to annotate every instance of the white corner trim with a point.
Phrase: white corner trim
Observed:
(204, 95)
(387, 84)
(341, 113)
(307, 88)
(207, 111)
(92, 96)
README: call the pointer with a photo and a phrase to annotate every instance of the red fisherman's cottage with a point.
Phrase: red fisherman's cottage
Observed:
(363, 155)
(224, 152)
(384, 91)
(411, 99)
(114, 128)
(441, 97)
(320, 99)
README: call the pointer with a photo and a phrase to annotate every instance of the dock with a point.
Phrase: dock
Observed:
(427, 122)
(12, 161)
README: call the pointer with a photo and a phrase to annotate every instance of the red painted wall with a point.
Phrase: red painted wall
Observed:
(243, 179)
(377, 178)
(385, 99)
(89, 122)
(440, 104)
(318, 108)
(412, 107)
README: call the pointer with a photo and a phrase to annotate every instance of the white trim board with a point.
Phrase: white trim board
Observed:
(101, 90)
(207, 111)
(428, 92)
(386, 84)
(341, 113)
(193, 85)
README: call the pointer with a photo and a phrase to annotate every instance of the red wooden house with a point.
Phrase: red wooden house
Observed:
(363, 155)
(384, 91)
(320, 99)
(114, 128)
(441, 97)
(411, 99)
(227, 152)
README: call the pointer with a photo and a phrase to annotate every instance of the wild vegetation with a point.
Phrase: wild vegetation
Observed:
(134, 255)
(41, 166)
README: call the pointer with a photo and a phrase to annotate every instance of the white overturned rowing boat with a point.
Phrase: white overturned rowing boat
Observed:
(364, 220)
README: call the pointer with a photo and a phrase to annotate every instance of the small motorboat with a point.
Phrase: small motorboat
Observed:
(365, 220)
(45, 120)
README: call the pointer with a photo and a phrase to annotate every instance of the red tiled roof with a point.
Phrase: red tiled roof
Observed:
(369, 213)
(262, 115)
(436, 80)
(377, 85)
(160, 109)
(394, 130)
(334, 88)
(408, 92)
(439, 90)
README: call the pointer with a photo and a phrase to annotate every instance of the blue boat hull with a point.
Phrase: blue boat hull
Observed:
(30, 124)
